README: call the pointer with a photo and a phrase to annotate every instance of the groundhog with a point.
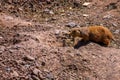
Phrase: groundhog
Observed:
(98, 34)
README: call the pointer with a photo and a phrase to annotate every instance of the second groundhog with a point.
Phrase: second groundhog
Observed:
(98, 34)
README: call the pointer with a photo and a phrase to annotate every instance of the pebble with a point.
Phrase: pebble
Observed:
(114, 24)
(85, 15)
(20, 9)
(70, 13)
(48, 11)
(35, 77)
(28, 57)
(8, 18)
(51, 12)
(117, 31)
(8, 69)
(50, 76)
(36, 71)
(107, 16)
(15, 74)
(11, 50)
(43, 63)
(57, 32)
(27, 65)
(2, 48)
(1, 37)
(71, 24)
(86, 4)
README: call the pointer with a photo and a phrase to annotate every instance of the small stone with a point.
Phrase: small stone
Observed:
(86, 4)
(2, 48)
(8, 69)
(36, 71)
(35, 77)
(51, 12)
(11, 50)
(57, 32)
(107, 16)
(27, 65)
(20, 62)
(85, 15)
(15, 74)
(114, 24)
(8, 18)
(70, 13)
(51, 19)
(50, 76)
(48, 1)
(117, 31)
(1, 59)
(28, 57)
(20, 9)
(48, 11)
(1, 37)
(43, 63)
(71, 24)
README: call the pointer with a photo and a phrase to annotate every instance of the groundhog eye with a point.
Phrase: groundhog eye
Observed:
(108, 37)
(74, 31)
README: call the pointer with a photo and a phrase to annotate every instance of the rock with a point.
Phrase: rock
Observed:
(57, 32)
(117, 31)
(2, 48)
(36, 71)
(51, 19)
(51, 12)
(11, 50)
(1, 37)
(71, 24)
(114, 24)
(27, 65)
(48, 11)
(1, 59)
(86, 4)
(50, 76)
(43, 63)
(107, 16)
(85, 15)
(48, 1)
(20, 62)
(20, 9)
(77, 3)
(70, 13)
(8, 69)
(8, 18)
(111, 6)
(15, 74)
(28, 57)
(35, 77)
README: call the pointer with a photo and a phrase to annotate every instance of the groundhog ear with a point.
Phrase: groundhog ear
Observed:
(113, 38)
(74, 31)
(69, 32)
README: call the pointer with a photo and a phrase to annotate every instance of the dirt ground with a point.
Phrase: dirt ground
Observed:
(32, 43)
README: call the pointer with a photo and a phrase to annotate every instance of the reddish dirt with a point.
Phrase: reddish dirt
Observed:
(32, 41)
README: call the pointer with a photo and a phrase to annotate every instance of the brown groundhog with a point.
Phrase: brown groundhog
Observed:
(98, 34)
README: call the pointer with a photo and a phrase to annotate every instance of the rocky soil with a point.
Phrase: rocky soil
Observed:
(32, 40)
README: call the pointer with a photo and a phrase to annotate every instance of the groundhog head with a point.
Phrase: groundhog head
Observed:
(75, 32)
(79, 32)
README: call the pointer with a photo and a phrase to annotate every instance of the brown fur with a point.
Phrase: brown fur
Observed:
(97, 34)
